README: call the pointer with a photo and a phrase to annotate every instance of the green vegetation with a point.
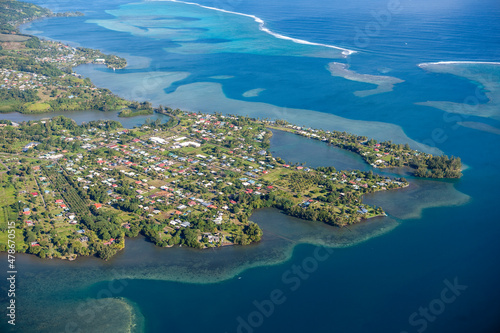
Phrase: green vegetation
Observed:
(35, 83)
(13, 38)
(137, 109)
(193, 181)
(13, 13)
(382, 154)
(437, 167)
(111, 61)
(37, 75)
(13, 99)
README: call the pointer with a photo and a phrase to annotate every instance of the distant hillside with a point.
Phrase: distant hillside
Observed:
(14, 12)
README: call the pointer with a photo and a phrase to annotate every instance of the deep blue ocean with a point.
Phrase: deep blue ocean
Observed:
(433, 265)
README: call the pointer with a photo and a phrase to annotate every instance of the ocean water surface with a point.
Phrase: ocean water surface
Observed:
(86, 116)
(275, 61)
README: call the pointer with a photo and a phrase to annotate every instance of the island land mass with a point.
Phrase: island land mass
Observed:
(69, 190)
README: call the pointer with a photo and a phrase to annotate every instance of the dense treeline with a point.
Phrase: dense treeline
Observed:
(438, 167)
(387, 153)
(33, 43)
(328, 215)
(137, 109)
(8, 96)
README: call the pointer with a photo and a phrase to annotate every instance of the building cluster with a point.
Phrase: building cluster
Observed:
(10, 79)
(207, 168)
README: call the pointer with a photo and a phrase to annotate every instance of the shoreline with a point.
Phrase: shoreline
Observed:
(262, 26)
(338, 219)
(269, 252)
(337, 212)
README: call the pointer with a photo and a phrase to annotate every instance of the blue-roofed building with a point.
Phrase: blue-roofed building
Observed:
(30, 145)
(362, 210)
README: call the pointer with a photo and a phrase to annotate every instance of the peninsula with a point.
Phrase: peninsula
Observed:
(36, 76)
(195, 180)
(69, 190)
(382, 154)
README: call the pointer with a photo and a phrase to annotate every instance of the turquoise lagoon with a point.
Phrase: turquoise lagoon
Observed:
(275, 61)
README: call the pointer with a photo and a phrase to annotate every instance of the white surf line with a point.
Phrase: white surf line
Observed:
(262, 27)
(457, 63)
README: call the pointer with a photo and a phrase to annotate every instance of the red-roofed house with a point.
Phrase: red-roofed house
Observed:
(111, 241)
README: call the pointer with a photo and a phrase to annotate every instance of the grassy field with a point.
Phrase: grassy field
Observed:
(38, 107)
(276, 175)
(19, 239)
(9, 106)
(7, 198)
(13, 38)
